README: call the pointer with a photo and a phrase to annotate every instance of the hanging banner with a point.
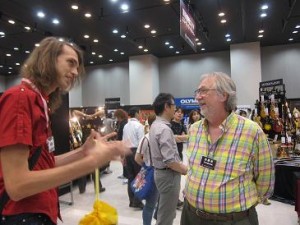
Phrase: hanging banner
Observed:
(187, 103)
(187, 26)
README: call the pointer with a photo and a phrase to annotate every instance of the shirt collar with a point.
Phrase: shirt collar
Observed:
(224, 126)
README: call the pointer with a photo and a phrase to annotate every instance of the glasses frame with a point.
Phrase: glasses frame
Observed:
(203, 91)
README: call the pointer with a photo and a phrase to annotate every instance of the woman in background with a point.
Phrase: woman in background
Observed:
(194, 116)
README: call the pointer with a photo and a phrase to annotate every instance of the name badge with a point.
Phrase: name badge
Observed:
(208, 162)
(50, 143)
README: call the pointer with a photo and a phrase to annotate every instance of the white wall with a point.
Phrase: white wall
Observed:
(283, 62)
(75, 96)
(12, 81)
(180, 75)
(2, 83)
(108, 81)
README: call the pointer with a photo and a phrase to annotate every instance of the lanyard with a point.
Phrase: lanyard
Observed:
(27, 81)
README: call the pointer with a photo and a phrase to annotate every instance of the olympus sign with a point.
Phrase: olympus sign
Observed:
(188, 101)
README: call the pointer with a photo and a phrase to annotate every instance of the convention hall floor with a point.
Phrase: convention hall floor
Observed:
(116, 195)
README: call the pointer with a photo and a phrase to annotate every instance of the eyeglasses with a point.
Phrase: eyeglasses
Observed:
(202, 92)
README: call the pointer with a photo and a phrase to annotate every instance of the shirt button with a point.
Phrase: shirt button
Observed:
(22, 89)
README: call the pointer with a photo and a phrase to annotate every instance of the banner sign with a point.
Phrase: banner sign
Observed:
(187, 26)
(187, 103)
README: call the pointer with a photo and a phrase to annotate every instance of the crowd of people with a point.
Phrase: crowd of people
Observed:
(229, 167)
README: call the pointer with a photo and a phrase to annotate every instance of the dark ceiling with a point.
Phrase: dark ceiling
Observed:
(242, 16)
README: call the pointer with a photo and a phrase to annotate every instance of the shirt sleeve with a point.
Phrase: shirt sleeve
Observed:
(264, 172)
(168, 147)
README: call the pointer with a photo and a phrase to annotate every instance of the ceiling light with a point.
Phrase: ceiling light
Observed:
(167, 43)
(27, 52)
(115, 31)
(37, 45)
(111, 60)
(10, 68)
(295, 32)
(228, 39)
(199, 43)
(123, 36)
(146, 50)
(2, 33)
(147, 26)
(11, 21)
(291, 39)
(113, 0)
(27, 28)
(261, 31)
(93, 53)
(41, 14)
(8, 55)
(140, 46)
(115, 50)
(74, 7)
(96, 40)
(227, 35)
(122, 53)
(166, 0)
(125, 7)
(264, 7)
(197, 39)
(9, 72)
(177, 52)
(88, 15)
(1, 66)
(202, 49)
(86, 36)
(260, 36)
(223, 21)
(55, 21)
(263, 15)
(100, 56)
(221, 14)
(153, 31)
(17, 64)
(16, 48)
(91, 62)
(297, 27)
(171, 46)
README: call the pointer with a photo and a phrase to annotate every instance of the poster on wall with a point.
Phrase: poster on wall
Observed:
(187, 25)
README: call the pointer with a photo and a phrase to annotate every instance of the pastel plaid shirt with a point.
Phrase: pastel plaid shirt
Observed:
(244, 170)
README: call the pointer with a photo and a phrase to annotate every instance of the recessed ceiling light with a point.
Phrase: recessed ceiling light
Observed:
(111, 60)
(147, 26)
(153, 31)
(197, 39)
(61, 39)
(291, 39)
(17, 64)
(9, 72)
(74, 7)
(122, 53)
(27, 52)
(93, 53)
(264, 7)
(16, 48)
(171, 46)
(261, 31)
(123, 36)
(88, 15)
(27, 28)
(41, 14)
(100, 56)
(177, 52)
(125, 7)
(2, 33)
(167, 43)
(227, 35)
(96, 40)
(1, 66)
(297, 26)
(37, 45)
(86, 36)
(11, 21)
(221, 14)
(140, 46)
(202, 49)
(8, 55)
(166, 0)
(115, 50)
(260, 36)
(115, 31)
(113, 0)
(199, 43)
(91, 62)
(55, 21)
(146, 50)
(228, 39)
(263, 15)
(295, 32)
(223, 21)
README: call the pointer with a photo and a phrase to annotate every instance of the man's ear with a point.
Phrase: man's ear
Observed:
(223, 97)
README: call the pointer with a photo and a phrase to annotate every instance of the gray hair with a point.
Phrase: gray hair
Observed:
(224, 84)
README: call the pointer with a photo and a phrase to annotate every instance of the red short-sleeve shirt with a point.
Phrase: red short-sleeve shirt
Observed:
(23, 121)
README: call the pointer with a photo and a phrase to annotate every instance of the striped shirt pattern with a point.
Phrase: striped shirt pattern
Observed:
(244, 170)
